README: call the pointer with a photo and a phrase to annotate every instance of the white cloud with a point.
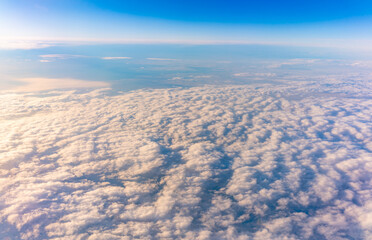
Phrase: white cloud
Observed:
(61, 56)
(296, 61)
(23, 44)
(53, 57)
(247, 74)
(43, 84)
(176, 78)
(242, 162)
(201, 76)
(191, 78)
(115, 58)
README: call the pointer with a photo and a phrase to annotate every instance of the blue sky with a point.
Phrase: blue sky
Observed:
(340, 23)
(238, 11)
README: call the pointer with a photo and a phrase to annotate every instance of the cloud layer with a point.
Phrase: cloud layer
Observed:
(43, 84)
(242, 162)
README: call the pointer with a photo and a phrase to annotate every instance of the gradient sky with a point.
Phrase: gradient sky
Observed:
(342, 23)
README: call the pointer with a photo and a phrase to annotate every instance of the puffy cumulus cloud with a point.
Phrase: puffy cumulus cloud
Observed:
(43, 84)
(243, 162)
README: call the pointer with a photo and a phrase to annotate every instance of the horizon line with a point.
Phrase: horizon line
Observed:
(37, 43)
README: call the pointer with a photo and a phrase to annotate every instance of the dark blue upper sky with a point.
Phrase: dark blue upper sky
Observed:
(240, 11)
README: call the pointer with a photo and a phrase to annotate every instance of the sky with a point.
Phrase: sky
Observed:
(343, 24)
